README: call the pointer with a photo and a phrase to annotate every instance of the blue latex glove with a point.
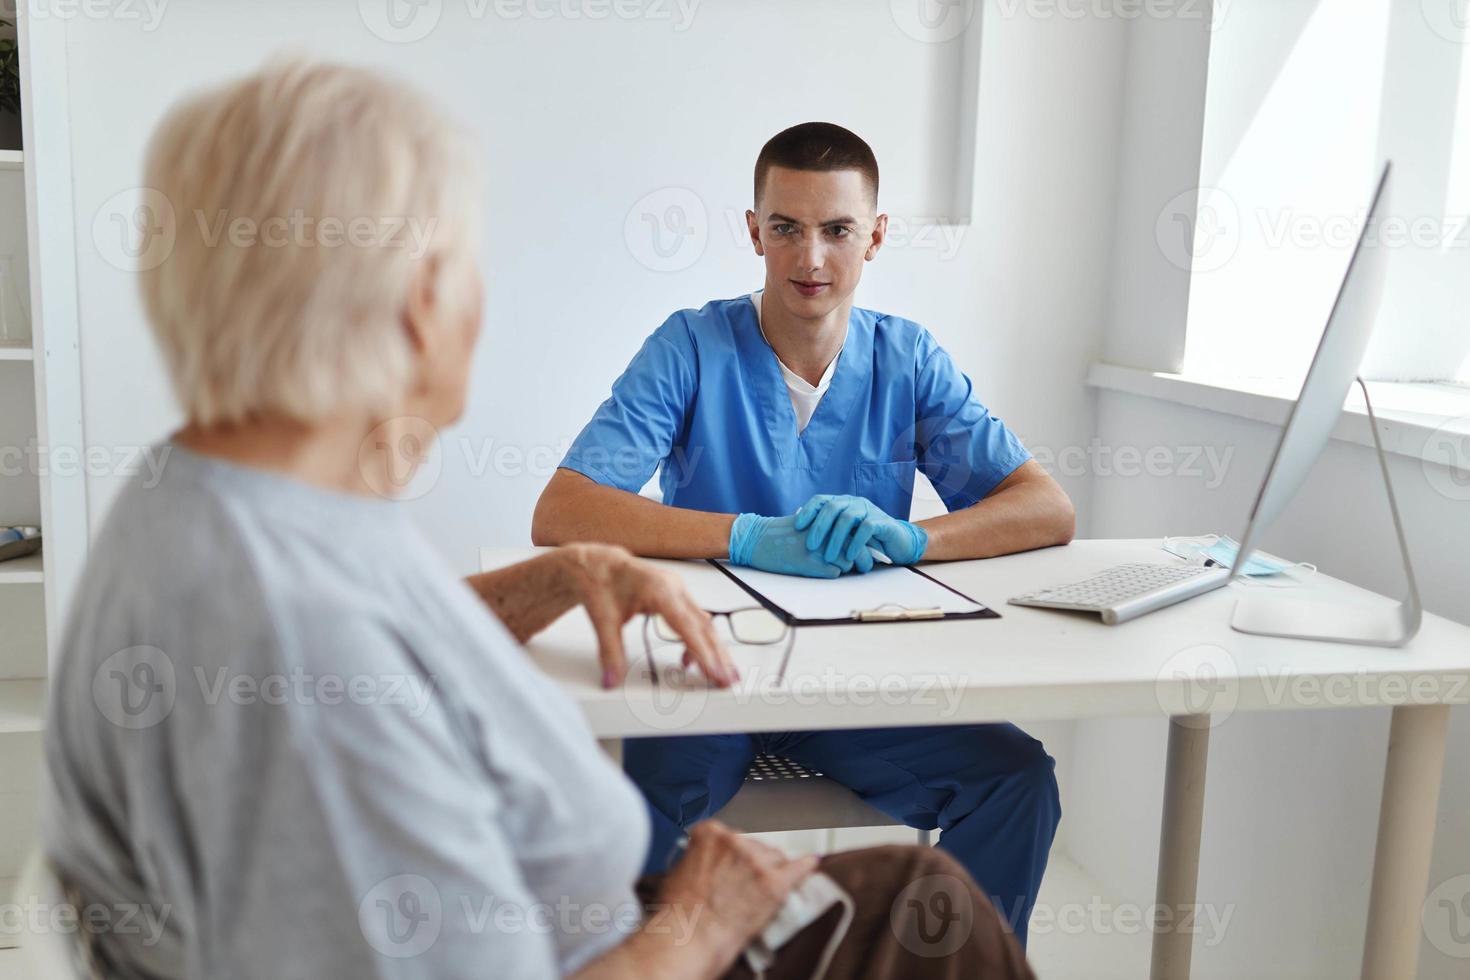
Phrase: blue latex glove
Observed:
(773, 544)
(842, 528)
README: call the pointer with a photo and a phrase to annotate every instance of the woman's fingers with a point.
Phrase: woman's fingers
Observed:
(608, 624)
(701, 643)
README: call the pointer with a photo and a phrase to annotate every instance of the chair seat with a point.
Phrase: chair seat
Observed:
(780, 795)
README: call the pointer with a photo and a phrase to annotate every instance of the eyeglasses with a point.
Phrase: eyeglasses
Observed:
(749, 626)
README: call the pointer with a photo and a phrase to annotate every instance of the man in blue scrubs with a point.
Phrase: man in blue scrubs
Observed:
(787, 427)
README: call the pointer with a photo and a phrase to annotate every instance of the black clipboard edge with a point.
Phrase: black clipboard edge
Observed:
(985, 612)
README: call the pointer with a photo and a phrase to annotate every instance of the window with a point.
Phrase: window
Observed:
(1305, 99)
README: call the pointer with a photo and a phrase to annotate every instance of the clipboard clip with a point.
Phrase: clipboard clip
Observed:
(891, 612)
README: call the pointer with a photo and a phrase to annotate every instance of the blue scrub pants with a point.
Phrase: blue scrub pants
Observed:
(989, 789)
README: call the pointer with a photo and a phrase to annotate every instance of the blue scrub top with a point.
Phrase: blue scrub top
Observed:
(705, 400)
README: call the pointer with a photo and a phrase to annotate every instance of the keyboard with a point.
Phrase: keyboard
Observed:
(1126, 592)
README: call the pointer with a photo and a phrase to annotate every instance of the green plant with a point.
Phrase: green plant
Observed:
(9, 71)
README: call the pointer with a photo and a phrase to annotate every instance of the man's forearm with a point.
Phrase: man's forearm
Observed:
(575, 508)
(1029, 514)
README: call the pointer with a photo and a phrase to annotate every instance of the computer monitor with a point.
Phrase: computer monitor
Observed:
(1309, 426)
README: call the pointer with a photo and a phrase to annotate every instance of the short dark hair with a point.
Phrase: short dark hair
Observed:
(819, 146)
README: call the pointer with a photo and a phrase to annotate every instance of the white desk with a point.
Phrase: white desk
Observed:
(1036, 664)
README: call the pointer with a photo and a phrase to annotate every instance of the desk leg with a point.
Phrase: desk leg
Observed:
(1179, 837)
(614, 749)
(1416, 749)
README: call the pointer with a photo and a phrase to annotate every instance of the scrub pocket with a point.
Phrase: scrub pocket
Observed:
(889, 485)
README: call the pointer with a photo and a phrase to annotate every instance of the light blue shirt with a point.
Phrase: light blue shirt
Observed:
(705, 400)
(291, 739)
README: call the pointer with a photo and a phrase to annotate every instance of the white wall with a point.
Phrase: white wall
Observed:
(587, 127)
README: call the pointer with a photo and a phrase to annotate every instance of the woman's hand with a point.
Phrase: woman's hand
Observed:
(729, 887)
(614, 587)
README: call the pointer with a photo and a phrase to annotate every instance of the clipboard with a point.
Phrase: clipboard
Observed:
(868, 612)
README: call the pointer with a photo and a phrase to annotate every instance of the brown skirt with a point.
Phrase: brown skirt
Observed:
(919, 916)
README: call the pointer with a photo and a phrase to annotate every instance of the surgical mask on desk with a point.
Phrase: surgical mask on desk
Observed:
(1224, 550)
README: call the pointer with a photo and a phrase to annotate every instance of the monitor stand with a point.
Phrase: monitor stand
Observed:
(1380, 624)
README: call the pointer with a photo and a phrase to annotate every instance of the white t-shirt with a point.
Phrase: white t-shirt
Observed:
(804, 396)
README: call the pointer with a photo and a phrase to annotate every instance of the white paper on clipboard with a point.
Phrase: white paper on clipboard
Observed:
(839, 598)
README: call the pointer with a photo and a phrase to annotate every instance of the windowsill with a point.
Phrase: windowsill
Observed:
(1409, 414)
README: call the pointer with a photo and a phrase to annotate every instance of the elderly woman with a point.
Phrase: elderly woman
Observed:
(281, 731)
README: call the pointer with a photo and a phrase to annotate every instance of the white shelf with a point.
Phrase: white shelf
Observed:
(21, 571)
(16, 350)
(22, 706)
(12, 159)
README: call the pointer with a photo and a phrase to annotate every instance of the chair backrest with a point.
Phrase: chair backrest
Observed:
(45, 951)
